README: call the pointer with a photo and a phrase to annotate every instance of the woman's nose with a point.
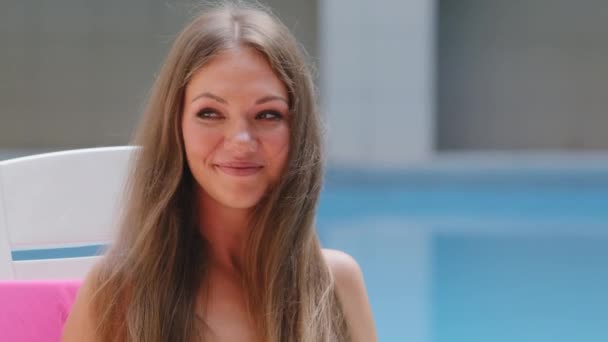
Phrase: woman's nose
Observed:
(240, 137)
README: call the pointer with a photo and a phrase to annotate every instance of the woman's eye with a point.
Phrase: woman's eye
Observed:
(208, 114)
(270, 115)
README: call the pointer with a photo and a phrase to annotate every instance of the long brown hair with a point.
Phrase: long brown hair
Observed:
(146, 285)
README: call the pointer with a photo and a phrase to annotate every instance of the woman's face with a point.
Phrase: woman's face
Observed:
(235, 127)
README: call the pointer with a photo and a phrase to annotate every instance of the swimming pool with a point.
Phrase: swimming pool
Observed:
(477, 253)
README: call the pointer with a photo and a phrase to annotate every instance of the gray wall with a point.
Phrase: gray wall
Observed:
(522, 74)
(75, 73)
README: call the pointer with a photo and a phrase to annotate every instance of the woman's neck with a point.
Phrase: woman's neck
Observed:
(225, 230)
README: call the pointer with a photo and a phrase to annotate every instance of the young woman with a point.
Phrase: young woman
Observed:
(217, 241)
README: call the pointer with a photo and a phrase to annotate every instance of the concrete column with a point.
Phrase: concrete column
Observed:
(376, 80)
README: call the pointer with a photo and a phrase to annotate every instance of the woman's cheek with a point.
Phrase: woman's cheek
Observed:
(205, 140)
(278, 149)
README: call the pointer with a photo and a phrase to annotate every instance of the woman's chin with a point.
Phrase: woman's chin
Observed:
(241, 201)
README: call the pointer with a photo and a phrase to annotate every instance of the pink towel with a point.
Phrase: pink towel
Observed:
(35, 311)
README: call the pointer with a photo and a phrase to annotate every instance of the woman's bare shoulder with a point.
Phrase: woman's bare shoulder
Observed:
(352, 294)
(79, 325)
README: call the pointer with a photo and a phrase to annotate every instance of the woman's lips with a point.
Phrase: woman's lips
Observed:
(239, 169)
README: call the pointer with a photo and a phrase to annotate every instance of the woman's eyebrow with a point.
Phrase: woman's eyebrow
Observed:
(261, 100)
(211, 96)
(271, 98)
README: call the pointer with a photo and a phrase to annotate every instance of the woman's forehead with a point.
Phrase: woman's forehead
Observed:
(236, 70)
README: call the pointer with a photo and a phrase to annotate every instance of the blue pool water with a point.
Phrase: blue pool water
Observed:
(495, 255)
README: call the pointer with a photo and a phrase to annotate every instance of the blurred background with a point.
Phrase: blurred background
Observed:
(468, 159)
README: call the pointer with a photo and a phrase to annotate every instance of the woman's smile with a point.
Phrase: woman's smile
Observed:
(239, 169)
